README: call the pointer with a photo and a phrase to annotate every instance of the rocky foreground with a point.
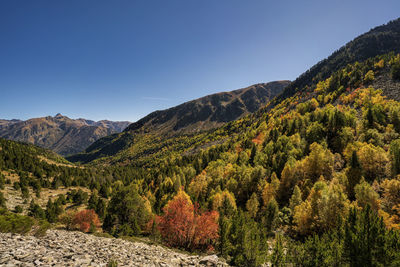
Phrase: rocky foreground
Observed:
(65, 248)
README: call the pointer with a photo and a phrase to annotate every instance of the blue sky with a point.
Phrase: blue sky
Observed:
(121, 60)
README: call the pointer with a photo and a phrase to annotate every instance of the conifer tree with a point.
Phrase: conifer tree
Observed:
(354, 174)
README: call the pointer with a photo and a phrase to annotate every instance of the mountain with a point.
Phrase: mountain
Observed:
(210, 111)
(192, 117)
(379, 40)
(182, 120)
(59, 133)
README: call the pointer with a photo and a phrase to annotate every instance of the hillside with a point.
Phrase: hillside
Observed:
(210, 111)
(59, 133)
(380, 40)
(171, 126)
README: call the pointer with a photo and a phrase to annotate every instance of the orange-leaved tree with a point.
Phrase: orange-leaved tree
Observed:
(86, 219)
(184, 225)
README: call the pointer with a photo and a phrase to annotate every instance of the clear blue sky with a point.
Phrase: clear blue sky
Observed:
(121, 60)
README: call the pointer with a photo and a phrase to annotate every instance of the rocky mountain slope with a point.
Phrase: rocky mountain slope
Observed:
(63, 248)
(210, 111)
(59, 133)
(189, 118)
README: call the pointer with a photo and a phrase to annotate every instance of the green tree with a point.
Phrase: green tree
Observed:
(270, 216)
(395, 155)
(296, 199)
(127, 212)
(354, 174)
(395, 71)
(2, 201)
(368, 242)
(278, 258)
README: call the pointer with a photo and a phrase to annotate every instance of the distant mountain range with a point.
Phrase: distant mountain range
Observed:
(59, 133)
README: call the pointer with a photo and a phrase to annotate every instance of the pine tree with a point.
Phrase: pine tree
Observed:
(270, 216)
(278, 258)
(252, 154)
(354, 174)
(296, 199)
(367, 240)
(395, 153)
(2, 201)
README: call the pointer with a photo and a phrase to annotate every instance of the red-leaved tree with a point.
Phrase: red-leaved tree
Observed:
(85, 219)
(184, 225)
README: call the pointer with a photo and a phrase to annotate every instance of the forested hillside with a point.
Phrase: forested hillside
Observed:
(380, 40)
(181, 127)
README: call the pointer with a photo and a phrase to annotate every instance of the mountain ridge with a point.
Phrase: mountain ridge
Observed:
(212, 110)
(377, 41)
(59, 133)
(195, 116)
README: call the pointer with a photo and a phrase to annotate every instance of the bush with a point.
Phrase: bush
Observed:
(86, 220)
(18, 209)
(67, 219)
(395, 71)
(127, 212)
(183, 225)
(42, 228)
(36, 211)
(112, 263)
(14, 223)
(2, 201)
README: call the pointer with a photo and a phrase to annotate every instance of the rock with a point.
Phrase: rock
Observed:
(66, 248)
(211, 260)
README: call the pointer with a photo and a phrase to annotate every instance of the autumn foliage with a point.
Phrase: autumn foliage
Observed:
(86, 219)
(184, 225)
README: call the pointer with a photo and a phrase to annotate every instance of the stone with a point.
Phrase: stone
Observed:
(68, 248)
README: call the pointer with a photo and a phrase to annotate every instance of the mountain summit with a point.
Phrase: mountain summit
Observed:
(59, 133)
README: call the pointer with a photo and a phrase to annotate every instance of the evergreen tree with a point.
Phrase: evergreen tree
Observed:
(354, 174)
(296, 199)
(278, 258)
(36, 211)
(395, 153)
(2, 201)
(127, 212)
(270, 216)
(368, 242)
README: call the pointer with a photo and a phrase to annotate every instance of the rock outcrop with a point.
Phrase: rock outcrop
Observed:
(65, 248)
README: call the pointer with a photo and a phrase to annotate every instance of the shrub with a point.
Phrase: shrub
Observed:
(395, 71)
(14, 223)
(42, 228)
(67, 219)
(183, 225)
(18, 209)
(2, 201)
(112, 263)
(127, 212)
(86, 220)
